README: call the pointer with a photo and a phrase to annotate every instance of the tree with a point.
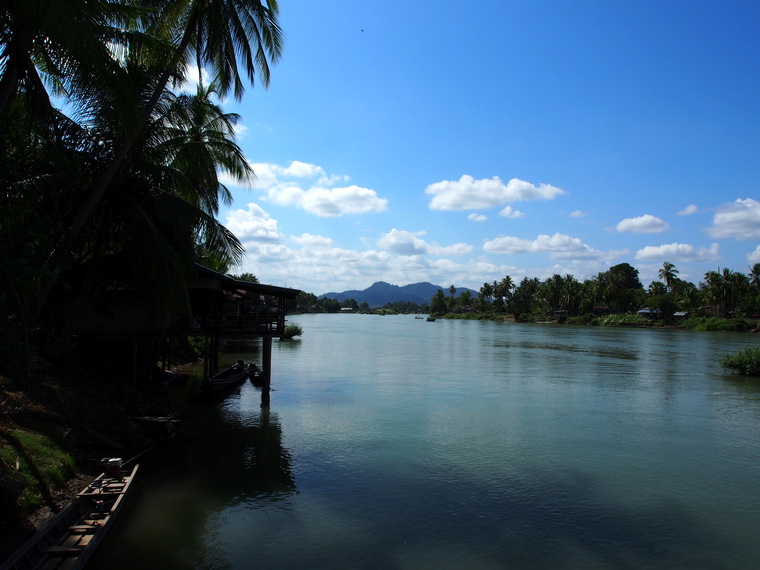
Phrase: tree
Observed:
(63, 44)
(657, 289)
(754, 275)
(438, 303)
(523, 299)
(465, 299)
(485, 296)
(503, 291)
(218, 33)
(668, 275)
(250, 277)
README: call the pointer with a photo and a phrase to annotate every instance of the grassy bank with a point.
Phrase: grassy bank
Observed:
(53, 436)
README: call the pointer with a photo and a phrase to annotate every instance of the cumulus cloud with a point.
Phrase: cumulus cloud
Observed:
(646, 224)
(754, 256)
(679, 251)
(688, 210)
(411, 243)
(334, 202)
(477, 217)
(309, 187)
(739, 220)
(310, 240)
(577, 214)
(314, 264)
(509, 212)
(253, 225)
(470, 194)
(559, 246)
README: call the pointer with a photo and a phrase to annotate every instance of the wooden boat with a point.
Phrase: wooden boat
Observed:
(256, 375)
(230, 377)
(70, 538)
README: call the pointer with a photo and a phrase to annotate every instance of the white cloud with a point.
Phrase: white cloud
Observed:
(577, 214)
(508, 212)
(308, 186)
(323, 267)
(411, 243)
(192, 78)
(404, 242)
(559, 246)
(334, 202)
(309, 240)
(253, 225)
(477, 217)
(688, 210)
(646, 224)
(300, 169)
(678, 251)
(739, 220)
(754, 256)
(470, 194)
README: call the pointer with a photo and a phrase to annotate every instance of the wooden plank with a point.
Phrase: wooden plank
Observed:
(65, 549)
(84, 527)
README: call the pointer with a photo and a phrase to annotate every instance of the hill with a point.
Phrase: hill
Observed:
(380, 293)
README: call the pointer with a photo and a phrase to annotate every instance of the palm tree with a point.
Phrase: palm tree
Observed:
(571, 294)
(754, 275)
(159, 210)
(217, 33)
(668, 274)
(486, 293)
(61, 44)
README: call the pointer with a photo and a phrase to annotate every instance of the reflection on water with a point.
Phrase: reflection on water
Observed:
(229, 453)
(396, 443)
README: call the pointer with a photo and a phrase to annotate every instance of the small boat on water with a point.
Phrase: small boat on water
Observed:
(70, 538)
(231, 376)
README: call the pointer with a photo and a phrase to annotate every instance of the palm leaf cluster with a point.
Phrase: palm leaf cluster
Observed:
(101, 156)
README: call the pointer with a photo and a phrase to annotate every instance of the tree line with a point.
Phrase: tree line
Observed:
(310, 303)
(103, 162)
(721, 294)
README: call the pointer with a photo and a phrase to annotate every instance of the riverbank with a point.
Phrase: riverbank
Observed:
(53, 436)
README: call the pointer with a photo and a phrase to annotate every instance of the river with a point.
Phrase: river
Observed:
(396, 443)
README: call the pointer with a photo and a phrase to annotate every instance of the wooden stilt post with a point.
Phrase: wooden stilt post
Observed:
(206, 359)
(266, 373)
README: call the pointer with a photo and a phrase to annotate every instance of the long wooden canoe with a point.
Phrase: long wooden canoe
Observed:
(70, 538)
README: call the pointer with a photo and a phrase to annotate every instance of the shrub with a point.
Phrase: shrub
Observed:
(292, 330)
(42, 465)
(622, 320)
(746, 362)
(716, 324)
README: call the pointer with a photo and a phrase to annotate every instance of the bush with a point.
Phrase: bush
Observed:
(746, 362)
(622, 320)
(717, 325)
(292, 330)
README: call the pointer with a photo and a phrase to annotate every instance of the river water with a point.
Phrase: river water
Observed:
(393, 442)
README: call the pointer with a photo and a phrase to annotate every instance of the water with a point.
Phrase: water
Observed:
(392, 442)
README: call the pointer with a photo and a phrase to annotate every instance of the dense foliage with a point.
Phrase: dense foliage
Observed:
(746, 362)
(292, 330)
(726, 297)
(310, 303)
(105, 163)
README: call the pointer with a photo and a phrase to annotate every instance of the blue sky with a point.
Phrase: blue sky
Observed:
(459, 142)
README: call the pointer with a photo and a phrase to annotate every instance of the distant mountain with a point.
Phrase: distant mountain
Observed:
(380, 293)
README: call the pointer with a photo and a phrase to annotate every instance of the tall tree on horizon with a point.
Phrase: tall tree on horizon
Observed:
(668, 275)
